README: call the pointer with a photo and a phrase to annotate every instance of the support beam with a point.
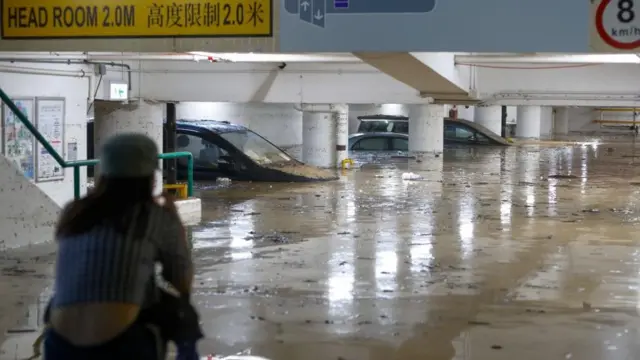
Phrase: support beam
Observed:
(429, 81)
(297, 83)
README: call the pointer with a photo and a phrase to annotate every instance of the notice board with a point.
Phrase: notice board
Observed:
(50, 123)
(18, 144)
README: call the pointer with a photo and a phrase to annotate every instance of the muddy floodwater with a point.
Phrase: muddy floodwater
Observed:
(524, 252)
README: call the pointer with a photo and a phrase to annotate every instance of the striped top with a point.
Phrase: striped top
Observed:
(105, 266)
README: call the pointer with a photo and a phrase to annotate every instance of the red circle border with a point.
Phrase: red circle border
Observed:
(603, 33)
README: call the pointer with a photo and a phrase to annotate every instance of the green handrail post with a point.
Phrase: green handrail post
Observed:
(76, 173)
(190, 175)
(79, 163)
(76, 182)
(189, 157)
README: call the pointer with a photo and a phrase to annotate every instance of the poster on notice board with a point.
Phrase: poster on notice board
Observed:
(50, 123)
(18, 145)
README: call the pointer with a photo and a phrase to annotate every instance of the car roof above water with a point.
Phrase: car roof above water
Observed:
(382, 133)
(218, 127)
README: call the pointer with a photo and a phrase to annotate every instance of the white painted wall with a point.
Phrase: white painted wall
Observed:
(356, 110)
(279, 123)
(594, 85)
(581, 121)
(464, 112)
(75, 91)
(27, 215)
(28, 210)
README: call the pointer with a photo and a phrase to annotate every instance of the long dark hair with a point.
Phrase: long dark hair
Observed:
(111, 203)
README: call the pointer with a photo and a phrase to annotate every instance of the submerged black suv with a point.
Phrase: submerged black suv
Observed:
(221, 149)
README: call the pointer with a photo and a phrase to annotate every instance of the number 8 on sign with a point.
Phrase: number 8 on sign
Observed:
(625, 11)
(617, 24)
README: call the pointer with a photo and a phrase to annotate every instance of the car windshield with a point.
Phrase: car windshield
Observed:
(256, 147)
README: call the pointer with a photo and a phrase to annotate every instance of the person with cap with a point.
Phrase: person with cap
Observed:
(105, 303)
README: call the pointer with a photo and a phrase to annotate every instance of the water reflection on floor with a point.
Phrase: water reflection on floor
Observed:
(498, 253)
(526, 252)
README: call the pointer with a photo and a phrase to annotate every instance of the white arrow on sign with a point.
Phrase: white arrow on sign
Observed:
(319, 15)
(305, 5)
(617, 23)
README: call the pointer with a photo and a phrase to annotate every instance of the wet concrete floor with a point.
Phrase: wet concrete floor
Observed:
(528, 252)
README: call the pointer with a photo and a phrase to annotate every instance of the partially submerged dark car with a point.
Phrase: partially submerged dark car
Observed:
(221, 149)
(379, 141)
(224, 150)
(457, 132)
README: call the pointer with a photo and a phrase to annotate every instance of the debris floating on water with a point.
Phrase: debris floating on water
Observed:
(411, 176)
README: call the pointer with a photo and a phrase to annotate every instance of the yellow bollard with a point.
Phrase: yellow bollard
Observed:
(346, 164)
(180, 189)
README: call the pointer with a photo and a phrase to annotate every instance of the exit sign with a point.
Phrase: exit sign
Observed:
(118, 91)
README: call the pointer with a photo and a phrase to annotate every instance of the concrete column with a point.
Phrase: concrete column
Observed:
(138, 117)
(426, 130)
(490, 117)
(546, 121)
(561, 121)
(341, 118)
(528, 125)
(325, 134)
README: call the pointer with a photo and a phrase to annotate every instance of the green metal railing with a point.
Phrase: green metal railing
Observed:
(76, 165)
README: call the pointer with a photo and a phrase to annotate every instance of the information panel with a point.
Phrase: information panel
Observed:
(38, 19)
(50, 123)
(434, 25)
(18, 143)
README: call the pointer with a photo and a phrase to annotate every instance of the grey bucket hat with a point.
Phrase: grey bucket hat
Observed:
(129, 155)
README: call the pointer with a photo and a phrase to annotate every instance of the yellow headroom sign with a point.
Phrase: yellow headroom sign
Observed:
(75, 19)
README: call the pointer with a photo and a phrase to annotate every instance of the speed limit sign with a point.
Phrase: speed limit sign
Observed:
(617, 24)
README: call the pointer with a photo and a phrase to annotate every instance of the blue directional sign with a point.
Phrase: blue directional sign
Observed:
(315, 11)
(435, 25)
(340, 4)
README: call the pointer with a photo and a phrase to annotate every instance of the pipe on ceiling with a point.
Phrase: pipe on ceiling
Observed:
(548, 59)
(36, 71)
(61, 57)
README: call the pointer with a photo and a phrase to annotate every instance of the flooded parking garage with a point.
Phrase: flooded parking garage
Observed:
(523, 251)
